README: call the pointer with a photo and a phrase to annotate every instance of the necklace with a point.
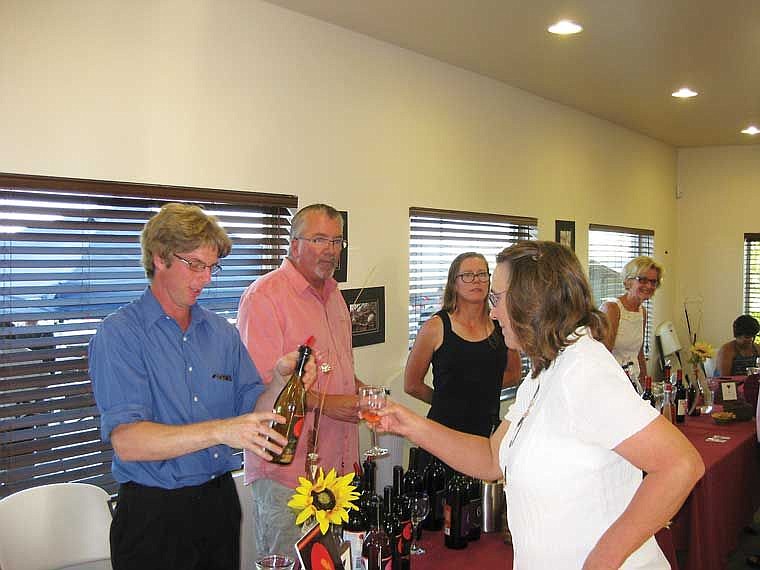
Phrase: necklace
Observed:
(526, 413)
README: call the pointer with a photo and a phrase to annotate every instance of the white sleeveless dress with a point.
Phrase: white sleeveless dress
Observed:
(630, 336)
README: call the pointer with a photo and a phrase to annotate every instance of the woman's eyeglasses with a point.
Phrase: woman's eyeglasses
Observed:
(469, 276)
(647, 281)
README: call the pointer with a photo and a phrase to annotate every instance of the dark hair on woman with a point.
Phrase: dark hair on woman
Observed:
(746, 325)
(548, 297)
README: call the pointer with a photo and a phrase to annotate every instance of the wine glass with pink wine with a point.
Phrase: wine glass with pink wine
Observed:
(371, 399)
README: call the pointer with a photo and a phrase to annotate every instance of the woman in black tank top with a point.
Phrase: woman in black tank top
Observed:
(466, 348)
(737, 355)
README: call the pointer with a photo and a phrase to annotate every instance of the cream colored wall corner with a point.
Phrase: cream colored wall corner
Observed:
(242, 94)
(718, 205)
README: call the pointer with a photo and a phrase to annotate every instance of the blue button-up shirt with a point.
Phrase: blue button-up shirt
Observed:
(144, 367)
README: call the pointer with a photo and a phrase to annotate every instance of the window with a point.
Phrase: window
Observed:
(752, 275)
(436, 237)
(69, 256)
(609, 249)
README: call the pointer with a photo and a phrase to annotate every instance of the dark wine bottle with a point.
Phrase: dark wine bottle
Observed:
(455, 518)
(392, 526)
(376, 551)
(474, 507)
(647, 393)
(681, 400)
(402, 504)
(434, 482)
(412, 481)
(291, 404)
(368, 489)
(354, 532)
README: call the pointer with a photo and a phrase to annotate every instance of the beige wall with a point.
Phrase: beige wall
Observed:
(245, 95)
(718, 204)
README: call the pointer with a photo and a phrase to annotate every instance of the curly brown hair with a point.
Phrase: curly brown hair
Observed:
(548, 297)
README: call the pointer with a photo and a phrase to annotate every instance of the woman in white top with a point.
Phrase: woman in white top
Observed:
(628, 318)
(573, 446)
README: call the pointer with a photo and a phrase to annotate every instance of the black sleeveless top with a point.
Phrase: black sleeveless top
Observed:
(467, 379)
(741, 363)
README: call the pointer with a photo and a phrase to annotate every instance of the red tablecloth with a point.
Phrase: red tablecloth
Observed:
(488, 553)
(707, 527)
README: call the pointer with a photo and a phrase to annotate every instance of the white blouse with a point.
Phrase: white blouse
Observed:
(565, 485)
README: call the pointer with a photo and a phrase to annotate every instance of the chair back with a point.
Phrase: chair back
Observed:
(53, 526)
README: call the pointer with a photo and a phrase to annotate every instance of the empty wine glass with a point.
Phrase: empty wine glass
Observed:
(420, 506)
(372, 398)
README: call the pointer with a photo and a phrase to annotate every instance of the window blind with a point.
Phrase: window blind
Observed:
(70, 256)
(752, 275)
(436, 237)
(609, 249)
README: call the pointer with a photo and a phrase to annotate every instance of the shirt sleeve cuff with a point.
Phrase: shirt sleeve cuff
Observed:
(122, 415)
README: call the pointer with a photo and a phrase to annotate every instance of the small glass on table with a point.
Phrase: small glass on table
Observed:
(275, 562)
(372, 398)
(420, 506)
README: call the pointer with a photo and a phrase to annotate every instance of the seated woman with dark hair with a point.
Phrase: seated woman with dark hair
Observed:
(737, 355)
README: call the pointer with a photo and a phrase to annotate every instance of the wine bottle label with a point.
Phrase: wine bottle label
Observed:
(356, 542)
(447, 520)
(681, 407)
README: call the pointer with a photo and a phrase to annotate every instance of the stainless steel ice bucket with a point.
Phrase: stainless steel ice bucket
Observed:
(494, 506)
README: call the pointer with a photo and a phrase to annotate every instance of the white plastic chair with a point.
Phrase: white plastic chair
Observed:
(54, 526)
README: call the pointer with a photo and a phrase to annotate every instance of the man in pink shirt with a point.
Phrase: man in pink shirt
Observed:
(277, 313)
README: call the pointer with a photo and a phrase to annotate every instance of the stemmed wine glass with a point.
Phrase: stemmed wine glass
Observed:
(420, 508)
(372, 398)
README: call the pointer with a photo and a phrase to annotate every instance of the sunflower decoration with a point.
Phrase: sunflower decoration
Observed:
(699, 352)
(328, 499)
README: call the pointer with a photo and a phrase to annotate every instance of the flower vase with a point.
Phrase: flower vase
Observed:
(704, 389)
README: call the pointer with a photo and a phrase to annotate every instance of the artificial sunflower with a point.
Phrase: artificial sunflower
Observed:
(328, 499)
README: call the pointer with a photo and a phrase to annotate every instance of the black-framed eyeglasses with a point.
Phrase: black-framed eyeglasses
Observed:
(470, 276)
(199, 266)
(647, 281)
(323, 242)
(494, 297)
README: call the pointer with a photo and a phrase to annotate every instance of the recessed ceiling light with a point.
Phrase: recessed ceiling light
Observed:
(751, 130)
(565, 28)
(684, 93)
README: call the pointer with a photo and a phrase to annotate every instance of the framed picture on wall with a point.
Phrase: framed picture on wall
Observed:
(341, 273)
(564, 233)
(367, 309)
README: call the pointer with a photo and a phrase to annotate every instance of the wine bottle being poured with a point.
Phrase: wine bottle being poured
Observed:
(291, 404)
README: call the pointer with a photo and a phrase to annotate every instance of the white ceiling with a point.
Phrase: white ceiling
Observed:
(631, 56)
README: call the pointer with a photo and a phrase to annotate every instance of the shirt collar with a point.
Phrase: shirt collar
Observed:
(301, 285)
(152, 310)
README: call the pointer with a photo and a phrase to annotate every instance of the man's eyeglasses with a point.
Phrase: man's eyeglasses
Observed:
(493, 298)
(199, 266)
(323, 242)
(469, 276)
(646, 281)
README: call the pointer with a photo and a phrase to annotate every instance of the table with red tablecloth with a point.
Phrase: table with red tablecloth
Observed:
(707, 528)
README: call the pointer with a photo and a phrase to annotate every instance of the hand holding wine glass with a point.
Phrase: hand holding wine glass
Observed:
(372, 398)
(420, 507)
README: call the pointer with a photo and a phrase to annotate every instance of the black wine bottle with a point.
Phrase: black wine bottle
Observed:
(454, 516)
(368, 489)
(291, 404)
(354, 532)
(647, 393)
(412, 481)
(376, 551)
(692, 397)
(392, 526)
(682, 404)
(434, 481)
(402, 504)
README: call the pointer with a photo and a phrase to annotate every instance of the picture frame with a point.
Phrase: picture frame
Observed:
(367, 309)
(317, 551)
(564, 233)
(341, 272)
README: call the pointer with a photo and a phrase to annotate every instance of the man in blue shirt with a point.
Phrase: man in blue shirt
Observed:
(177, 391)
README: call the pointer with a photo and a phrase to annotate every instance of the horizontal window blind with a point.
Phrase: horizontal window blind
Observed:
(69, 256)
(752, 275)
(609, 249)
(436, 237)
